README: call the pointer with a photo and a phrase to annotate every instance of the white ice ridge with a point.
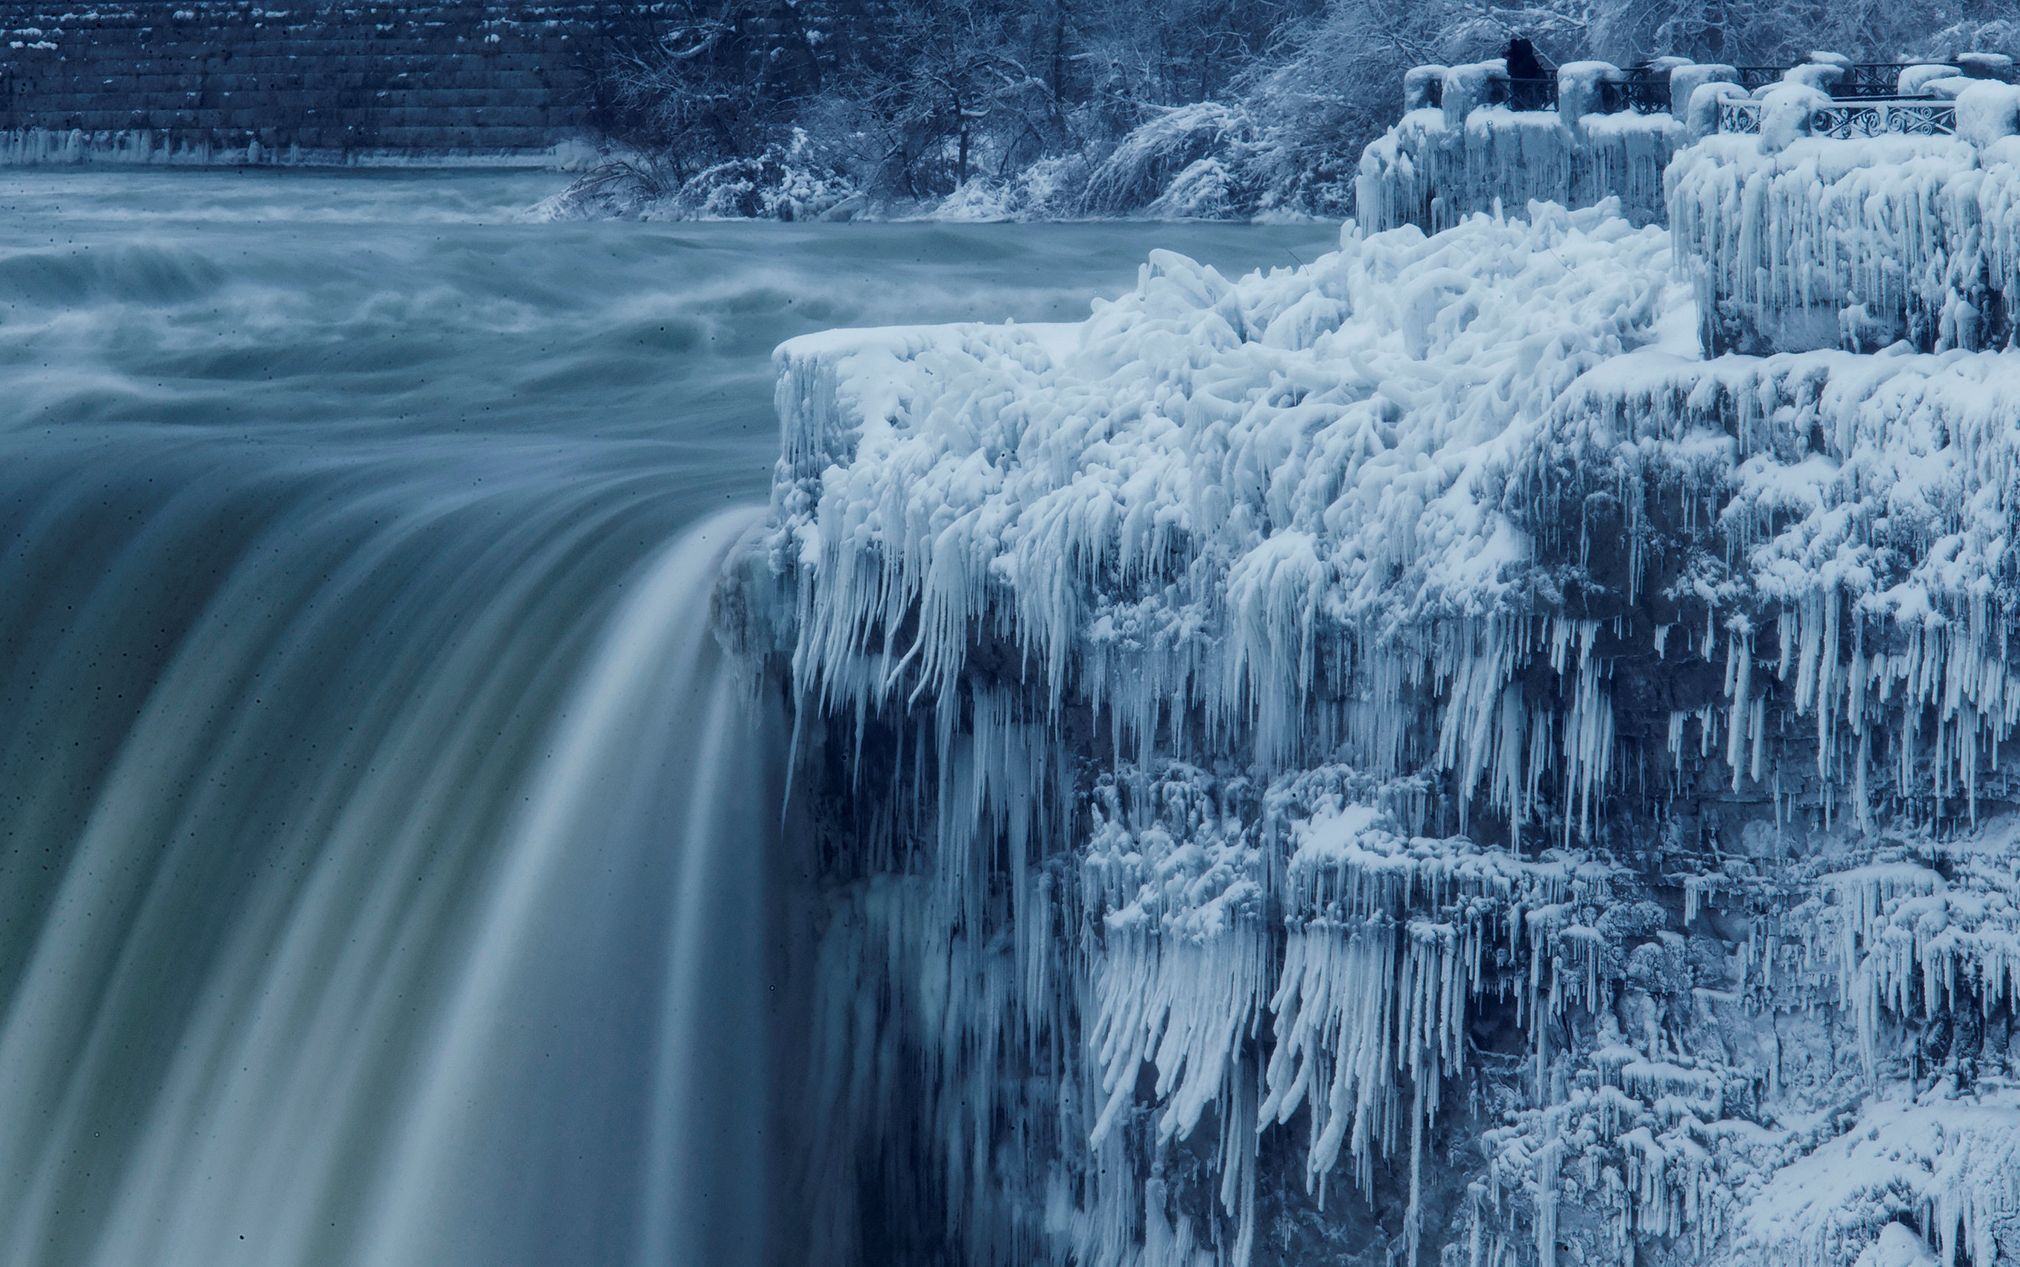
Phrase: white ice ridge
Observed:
(1262, 515)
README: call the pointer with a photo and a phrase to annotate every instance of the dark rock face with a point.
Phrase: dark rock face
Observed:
(315, 82)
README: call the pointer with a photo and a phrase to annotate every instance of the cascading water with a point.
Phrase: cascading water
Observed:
(615, 1000)
(391, 868)
(404, 917)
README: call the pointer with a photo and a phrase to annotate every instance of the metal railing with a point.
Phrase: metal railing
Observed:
(1861, 80)
(1646, 90)
(1643, 90)
(1848, 120)
(1885, 118)
(1739, 117)
(1527, 94)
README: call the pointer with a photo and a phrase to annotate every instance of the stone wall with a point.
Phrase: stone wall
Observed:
(231, 81)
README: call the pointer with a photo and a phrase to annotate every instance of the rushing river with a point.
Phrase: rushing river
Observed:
(388, 863)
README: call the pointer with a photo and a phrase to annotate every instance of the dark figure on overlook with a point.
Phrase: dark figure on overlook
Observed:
(1527, 89)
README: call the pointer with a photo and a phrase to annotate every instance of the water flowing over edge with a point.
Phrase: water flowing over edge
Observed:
(420, 898)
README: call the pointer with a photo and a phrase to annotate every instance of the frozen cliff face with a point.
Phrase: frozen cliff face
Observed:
(1801, 242)
(1402, 760)
(1439, 165)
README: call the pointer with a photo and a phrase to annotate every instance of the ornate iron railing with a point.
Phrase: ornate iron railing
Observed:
(1738, 116)
(1885, 118)
(1642, 90)
(1848, 120)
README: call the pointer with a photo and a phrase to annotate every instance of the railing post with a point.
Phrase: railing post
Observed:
(1686, 80)
(1423, 87)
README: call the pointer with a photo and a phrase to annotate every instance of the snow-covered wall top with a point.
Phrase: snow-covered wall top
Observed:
(228, 81)
(1409, 725)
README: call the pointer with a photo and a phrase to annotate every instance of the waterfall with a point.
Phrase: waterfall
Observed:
(664, 756)
(390, 870)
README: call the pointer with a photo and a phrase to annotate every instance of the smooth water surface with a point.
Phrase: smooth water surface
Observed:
(386, 855)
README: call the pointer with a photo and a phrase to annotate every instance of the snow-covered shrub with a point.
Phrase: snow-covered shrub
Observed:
(1147, 163)
(786, 182)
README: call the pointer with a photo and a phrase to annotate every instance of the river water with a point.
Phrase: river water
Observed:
(388, 863)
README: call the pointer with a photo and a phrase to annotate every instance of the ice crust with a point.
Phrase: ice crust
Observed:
(1436, 167)
(1403, 756)
(1831, 243)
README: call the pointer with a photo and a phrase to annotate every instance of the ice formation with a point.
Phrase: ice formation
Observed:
(1800, 242)
(1407, 759)
(1440, 164)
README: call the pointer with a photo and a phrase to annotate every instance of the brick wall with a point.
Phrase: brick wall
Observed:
(230, 81)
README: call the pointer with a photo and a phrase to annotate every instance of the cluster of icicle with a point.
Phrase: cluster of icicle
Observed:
(1199, 683)
(1901, 951)
(1824, 243)
(1843, 524)
(1440, 164)
(35, 147)
(1278, 515)
(1263, 514)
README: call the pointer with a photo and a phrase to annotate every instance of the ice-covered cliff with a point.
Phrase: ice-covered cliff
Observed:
(1800, 241)
(1404, 760)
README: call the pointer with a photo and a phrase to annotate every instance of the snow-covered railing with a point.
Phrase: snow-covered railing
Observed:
(1740, 115)
(1859, 80)
(1851, 119)
(1538, 93)
(1886, 118)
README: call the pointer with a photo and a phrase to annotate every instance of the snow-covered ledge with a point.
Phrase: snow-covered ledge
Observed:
(1475, 154)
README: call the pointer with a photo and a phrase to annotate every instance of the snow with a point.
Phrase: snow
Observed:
(1949, 1165)
(1410, 746)
(1417, 83)
(1988, 113)
(1685, 80)
(1788, 108)
(1914, 81)
(1579, 85)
